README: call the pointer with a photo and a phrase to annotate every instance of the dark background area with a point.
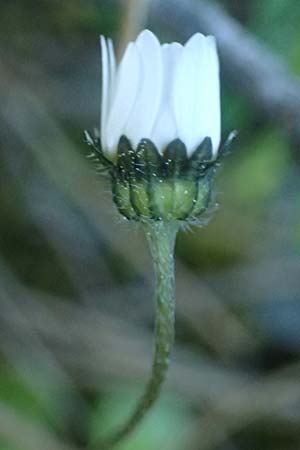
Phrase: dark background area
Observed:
(76, 313)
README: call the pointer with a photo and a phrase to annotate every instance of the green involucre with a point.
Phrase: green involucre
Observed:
(172, 186)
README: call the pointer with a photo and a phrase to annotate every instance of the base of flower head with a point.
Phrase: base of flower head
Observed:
(173, 186)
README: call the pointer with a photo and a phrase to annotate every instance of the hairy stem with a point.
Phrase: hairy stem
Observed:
(161, 237)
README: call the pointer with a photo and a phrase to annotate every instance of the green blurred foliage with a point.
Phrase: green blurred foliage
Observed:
(64, 19)
(167, 425)
(276, 22)
(40, 403)
(264, 164)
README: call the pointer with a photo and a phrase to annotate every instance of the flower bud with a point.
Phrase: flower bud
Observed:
(160, 126)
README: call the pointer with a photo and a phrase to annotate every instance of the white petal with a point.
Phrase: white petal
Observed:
(214, 110)
(126, 91)
(112, 68)
(196, 92)
(165, 126)
(189, 92)
(144, 113)
(105, 84)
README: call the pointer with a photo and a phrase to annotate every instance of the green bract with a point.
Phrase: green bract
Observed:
(168, 186)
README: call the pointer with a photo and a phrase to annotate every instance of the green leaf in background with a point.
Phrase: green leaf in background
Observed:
(295, 60)
(167, 425)
(4, 446)
(41, 407)
(238, 113)
(66, 19)
(261, 169)
(276, 22)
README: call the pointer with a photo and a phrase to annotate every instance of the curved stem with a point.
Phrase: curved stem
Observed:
(161, 237)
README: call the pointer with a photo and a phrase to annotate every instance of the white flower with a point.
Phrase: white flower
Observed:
(161, 92)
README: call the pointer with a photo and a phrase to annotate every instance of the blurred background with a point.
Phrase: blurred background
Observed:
(76, 312)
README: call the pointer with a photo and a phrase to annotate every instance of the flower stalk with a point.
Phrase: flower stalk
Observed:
(161, 237)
